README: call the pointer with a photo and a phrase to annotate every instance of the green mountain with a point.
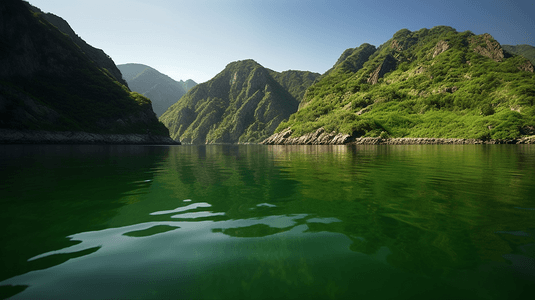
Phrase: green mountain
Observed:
(527, 51)
(243, 103)
(161, 89)
(47, 82)
(98, 56)
(436, 83)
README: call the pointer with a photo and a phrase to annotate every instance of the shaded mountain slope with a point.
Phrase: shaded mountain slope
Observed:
(433, 83)
(243, 103)
(162, 90)
(48, 83)
(98, 56)
(527, 51)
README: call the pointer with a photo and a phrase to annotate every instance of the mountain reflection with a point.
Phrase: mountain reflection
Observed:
(427, 218)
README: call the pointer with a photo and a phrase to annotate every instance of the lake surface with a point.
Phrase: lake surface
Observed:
(253, 221)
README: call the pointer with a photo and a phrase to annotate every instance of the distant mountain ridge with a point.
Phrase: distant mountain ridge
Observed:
(160, 88)
(244, 103)
(48, 83)
(430, 83)
(527, 51)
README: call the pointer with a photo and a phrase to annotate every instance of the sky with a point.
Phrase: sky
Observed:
(196, 39)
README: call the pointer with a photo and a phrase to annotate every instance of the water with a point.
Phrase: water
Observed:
(251, 221)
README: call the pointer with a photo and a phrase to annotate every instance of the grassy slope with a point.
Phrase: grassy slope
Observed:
(459, 93)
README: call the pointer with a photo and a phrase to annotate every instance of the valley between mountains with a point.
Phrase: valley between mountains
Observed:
(433, 85)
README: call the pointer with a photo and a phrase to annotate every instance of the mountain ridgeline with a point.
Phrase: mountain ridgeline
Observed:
(161, 89)
(527, 51)
(53, 81)
(242, 104)
(430, 83)
(98, 56)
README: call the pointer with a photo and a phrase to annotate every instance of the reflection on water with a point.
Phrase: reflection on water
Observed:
(252, 221)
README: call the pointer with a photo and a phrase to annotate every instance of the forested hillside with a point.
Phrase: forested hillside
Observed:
(244, 103)
(48, 83)
(436, 83)
(527, 51)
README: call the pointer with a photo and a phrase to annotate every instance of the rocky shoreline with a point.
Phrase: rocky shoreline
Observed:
(321, 137)
(8, 136)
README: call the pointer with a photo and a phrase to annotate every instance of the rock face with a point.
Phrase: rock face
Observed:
(48, 84)
(440, 47)
(320, 137)
(487, 46)
(526, 66)
(162, 90)
(388, 64)
(242, 104)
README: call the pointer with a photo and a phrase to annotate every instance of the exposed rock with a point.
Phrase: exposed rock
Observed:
(396, 46)
(320, 137)
(440, 47)
(528, 130)
(526, 66)
(8, 136)
(388, 64)
(491, 48)
(364, 110)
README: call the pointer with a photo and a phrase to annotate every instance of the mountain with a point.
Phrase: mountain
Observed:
(243, 103)
(48, 83)
(98, 56)
(527, 51)
(161, 89)
(432, 83)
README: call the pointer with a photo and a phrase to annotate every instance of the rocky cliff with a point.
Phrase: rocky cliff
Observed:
(321, 137)
(48, 83)
(242, 104)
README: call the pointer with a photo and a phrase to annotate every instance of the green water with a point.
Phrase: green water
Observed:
(251, 221)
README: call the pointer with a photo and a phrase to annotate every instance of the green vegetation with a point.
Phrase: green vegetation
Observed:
(160, 88)
(527, 51)
(55, 86)
(429, 83)
(244, 103)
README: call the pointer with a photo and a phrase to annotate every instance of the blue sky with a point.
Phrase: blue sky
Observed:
(196, 39)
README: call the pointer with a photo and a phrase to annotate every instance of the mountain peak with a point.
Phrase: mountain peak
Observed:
(243, 103)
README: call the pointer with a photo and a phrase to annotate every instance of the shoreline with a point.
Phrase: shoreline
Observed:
(9, 136)
(320, 137)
